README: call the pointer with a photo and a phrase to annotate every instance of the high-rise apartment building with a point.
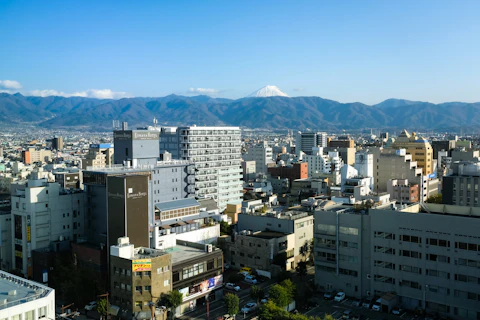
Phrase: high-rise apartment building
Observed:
(216, 152)
(305, 141)
(31, 156)
(419, 148)
(136, 147)
(262, 154)
(427, 256)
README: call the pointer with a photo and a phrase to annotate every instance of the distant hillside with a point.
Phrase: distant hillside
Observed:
(264, 112)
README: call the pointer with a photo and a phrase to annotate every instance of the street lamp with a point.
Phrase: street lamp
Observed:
(208, 306)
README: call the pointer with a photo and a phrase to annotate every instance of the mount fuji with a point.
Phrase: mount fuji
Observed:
(268, 91)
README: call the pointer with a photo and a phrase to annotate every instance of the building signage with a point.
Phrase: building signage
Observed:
(137, 195)
(101, 146)
(202, 287)
(122, 135)
(142, 265)
(145, 135)
(115, 195)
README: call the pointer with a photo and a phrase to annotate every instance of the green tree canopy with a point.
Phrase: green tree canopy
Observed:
(437, 198)
(290, 288)
(279, 295)
(102, 307)
(173, 300)
(257, 293)
(232, 303)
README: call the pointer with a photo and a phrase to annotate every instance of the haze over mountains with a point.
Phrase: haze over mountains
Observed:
(256, 112)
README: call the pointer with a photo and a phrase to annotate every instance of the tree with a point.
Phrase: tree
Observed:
(102, 307)
(302, 268)
(279, 295)
(270, 311)
(232, 303)
(290, 288)
(257, 293)
(437, 198)
(172, 300)
(225, 228)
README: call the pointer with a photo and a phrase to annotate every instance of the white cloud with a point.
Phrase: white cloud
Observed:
(90, 93)
(298, 89)
(206, 91)
(10, 84)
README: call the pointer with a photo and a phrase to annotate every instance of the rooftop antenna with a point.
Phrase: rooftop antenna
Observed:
(116, 124)
(155, 121)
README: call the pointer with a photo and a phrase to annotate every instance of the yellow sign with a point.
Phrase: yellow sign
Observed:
(142, 265)
(18, 254)
(28, 233)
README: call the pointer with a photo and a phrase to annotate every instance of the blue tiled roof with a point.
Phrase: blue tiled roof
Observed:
(177, 204)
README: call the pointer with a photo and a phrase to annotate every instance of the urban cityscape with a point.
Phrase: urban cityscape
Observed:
(244, 203)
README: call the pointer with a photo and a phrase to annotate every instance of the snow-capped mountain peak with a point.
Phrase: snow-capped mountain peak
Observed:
(268, 91)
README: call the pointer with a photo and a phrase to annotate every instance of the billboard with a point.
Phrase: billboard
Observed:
(142, 265)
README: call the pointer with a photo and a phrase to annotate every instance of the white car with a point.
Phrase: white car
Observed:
(91, 305)
(249, 307)
(265, 298)
(339, 297)
(232, 286)
(377, 306)
(250, 279)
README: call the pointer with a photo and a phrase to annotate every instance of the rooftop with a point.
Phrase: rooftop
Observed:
(267, 235)
(146, 253)
(183, 253)
(118, 168)
(16, 290)
(177, 204)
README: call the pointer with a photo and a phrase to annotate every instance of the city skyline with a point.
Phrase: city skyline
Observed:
(364, 52)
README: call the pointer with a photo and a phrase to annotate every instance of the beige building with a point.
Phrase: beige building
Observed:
(419, 148)
(98, 156)
(138, 278)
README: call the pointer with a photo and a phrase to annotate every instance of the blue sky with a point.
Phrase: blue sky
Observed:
(348, 51)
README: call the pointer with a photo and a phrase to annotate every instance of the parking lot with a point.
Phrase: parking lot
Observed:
(336, 309)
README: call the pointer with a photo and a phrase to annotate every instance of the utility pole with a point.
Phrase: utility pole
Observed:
(106, 309)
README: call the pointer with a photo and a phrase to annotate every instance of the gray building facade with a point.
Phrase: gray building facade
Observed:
(429, 258)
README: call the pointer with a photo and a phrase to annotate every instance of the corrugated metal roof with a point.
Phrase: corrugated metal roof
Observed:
(177, 204)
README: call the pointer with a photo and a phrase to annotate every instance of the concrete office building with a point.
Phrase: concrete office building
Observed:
(259, 250)
(403, 191)
(419, 148)
(32, 155)
(216, 152)
(69, 179)
(249, 169)
(57, 143)
(364, 165)
(299, 223)
(6, 248)
(318, 162)
(442, 145)
(136, 148)
(305, 141)
(262, 155)
(292, 172)
(138, 278)
(462, 186)
(25, 300)
(99, 156)
(44, 213)
(429, 257)
(462, 154)
(342, 142)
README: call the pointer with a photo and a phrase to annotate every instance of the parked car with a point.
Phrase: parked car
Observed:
(347, 314)
(357, 317)
(339, 297)
(367, 303)
(397, 310)
(311, 304)
(357, 303)
(247, 270)
(250, 279)
(249, 307)
(377, 306)
(265, 298)
(244, 273)
(329, 295)
(232, 286)
(91, 305)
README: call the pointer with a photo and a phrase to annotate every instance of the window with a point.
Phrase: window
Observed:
(138, 289)
(138, 303)
(411, 254)
(438, 258)
(410, 284)
(148, 273)
(438, 274)
(326, 229)
(408, 238)
(148, 288)
(411, 269)
(138, 274)
(166, 282)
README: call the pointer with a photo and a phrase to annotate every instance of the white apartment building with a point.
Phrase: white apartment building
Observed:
(25, 300)
(364, 165)
(262, 154)
(42, 213)
(323, 163)
(216, 152)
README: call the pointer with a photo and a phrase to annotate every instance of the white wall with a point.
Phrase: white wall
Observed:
(202, 235)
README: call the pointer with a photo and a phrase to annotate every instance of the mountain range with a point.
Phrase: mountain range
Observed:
(275, 112)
